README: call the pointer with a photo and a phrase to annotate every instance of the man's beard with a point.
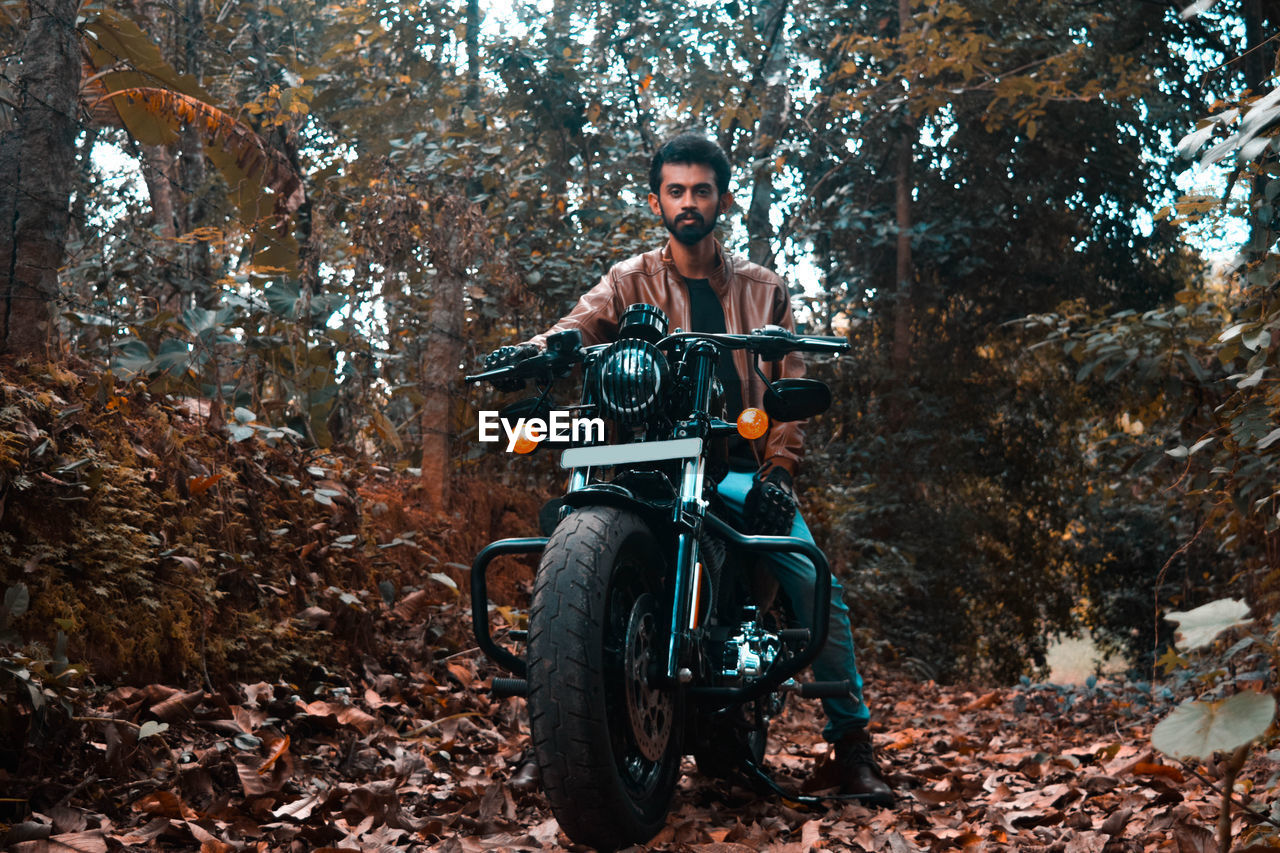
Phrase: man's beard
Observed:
(691, 230)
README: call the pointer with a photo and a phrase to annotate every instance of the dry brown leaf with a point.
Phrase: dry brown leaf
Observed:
(199, 485)
(178, 706)
(896, 843)
(464, 673)
(1115, 823)
(165, 804)
(903, 741)
(1194, 839)
(984, 702)
(315, 616)
(67, 819)
(256, 694)
(248, 720)
(1167, 771)
(811, 834)
(209, 843)
(546, 832)
(278, 749)
(412, 605)
(492, 803)
(70, 842)
(347, 715)
(247, 769)
(300, 809)
(146, 834)
(375, 700)
(258, 777)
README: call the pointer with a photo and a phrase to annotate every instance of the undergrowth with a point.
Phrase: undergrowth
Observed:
(149, 544)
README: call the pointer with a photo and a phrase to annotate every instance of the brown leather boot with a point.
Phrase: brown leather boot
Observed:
(860, 775)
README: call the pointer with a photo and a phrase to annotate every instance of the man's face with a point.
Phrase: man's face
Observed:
(688, 201)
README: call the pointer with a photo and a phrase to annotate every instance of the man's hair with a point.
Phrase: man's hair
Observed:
(691, 148)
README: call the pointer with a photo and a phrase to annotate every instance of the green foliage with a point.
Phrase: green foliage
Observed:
(1199, 729)
(1226, 716)
(37, 685)
(951, 550)
(1190, 381)
(994, 492)
(1200, 626)
(153, 548)
(131, 79)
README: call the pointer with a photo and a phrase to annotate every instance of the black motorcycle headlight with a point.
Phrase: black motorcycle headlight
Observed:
(633, 381)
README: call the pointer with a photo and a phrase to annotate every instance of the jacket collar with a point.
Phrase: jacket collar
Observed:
(720, 276)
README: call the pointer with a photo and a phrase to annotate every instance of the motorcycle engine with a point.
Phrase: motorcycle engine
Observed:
(750, 651)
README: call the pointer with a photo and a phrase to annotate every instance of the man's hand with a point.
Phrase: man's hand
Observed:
(506, 356)
(770, 507)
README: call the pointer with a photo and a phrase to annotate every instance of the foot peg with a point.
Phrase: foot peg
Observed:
(817, 689)
(504, 687)
(794, 636)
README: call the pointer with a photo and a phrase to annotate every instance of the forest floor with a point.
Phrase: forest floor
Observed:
(408, 756)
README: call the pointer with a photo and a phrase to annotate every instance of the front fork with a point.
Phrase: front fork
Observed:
(685, 604)
(689, 511)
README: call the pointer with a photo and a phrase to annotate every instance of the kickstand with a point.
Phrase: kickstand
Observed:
(758, 778)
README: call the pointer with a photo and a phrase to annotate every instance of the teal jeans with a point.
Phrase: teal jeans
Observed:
(796, 576)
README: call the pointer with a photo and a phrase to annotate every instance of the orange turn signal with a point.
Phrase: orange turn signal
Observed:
(752, 423)
(525, 443)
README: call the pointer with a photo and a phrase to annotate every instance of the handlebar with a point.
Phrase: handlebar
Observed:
(564, 350)
(771, 343)
(539, 366)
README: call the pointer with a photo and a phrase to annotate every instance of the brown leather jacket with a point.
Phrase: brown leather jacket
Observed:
(751, 295)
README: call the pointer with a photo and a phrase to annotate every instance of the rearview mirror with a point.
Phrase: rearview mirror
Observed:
(796, 399)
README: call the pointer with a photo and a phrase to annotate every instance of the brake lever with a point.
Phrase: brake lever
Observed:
(526, 369)
(542, 367)
(776, 342)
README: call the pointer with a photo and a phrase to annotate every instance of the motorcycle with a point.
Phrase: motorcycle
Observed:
(653, 631)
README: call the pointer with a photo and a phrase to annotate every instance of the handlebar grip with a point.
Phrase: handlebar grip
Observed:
(507, 371)
(822, 343)
(541, 366)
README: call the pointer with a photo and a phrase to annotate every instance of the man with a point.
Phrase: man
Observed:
(702, 288)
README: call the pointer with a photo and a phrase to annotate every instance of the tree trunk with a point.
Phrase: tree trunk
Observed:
(439, 368)
(559, 38)
(159, 176)
(1259, 62)
(37, 170)
(192, 167)
(904, 269)
(455, 239)
(176, 175)
(474, 20)
(777, 106)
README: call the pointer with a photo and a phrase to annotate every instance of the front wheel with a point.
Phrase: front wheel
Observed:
(606, 732)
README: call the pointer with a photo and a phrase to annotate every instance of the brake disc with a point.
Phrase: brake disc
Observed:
(650, 711)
